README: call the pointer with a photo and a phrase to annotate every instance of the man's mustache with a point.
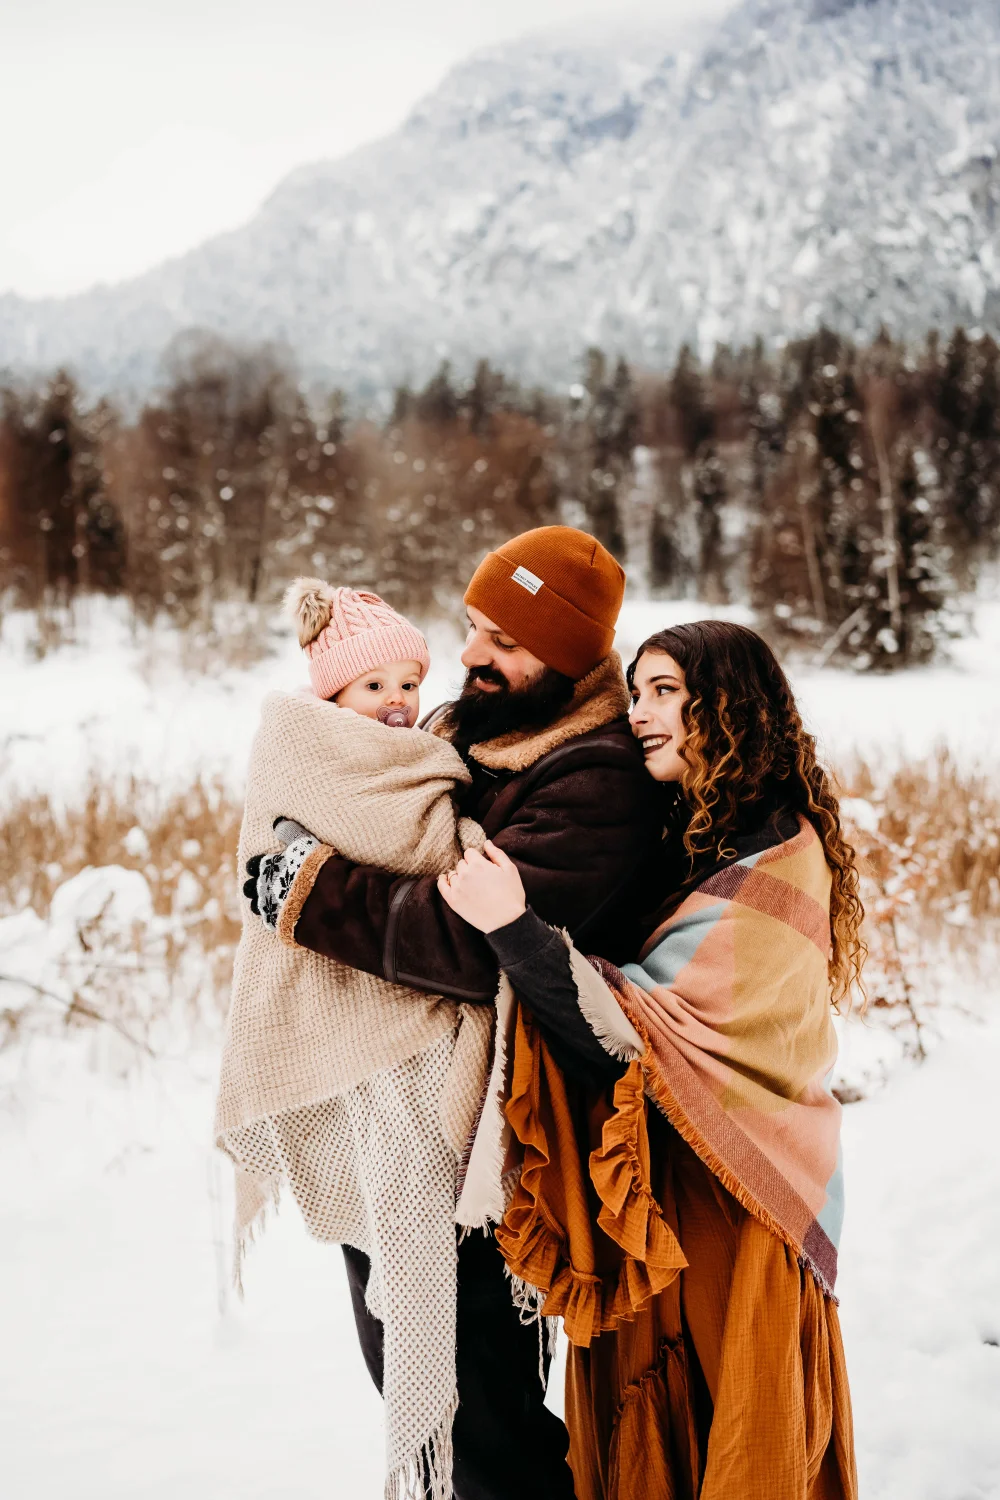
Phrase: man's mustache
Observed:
(484, 674)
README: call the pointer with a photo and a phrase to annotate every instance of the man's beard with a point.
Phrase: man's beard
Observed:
(477, 716)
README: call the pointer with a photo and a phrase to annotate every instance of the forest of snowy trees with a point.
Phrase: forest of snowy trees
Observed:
(850, 495)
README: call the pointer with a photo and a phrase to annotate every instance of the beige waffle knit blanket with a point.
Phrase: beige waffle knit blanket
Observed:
(359, 1094)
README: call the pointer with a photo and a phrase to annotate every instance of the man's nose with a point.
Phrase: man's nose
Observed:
(476, 654)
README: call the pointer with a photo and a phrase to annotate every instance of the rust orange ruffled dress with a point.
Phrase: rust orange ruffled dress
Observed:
(704, 1360)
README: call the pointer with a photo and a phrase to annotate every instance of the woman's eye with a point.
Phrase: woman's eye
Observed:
(664, 687)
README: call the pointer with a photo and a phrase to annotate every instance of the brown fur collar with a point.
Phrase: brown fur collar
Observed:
(598, 699)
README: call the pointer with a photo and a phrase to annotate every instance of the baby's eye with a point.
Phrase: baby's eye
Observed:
(374, 687)
(409, 687)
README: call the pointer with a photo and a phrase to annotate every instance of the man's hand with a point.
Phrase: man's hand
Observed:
(485, 889)
(272, 875)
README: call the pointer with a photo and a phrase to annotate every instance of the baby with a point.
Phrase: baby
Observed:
(362, 655)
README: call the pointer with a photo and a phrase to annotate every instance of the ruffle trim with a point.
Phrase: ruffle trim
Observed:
(536, 1249)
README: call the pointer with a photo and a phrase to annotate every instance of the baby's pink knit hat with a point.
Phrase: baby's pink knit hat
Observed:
(345, 632)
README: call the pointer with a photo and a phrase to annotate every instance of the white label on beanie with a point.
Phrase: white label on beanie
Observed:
(526, 580)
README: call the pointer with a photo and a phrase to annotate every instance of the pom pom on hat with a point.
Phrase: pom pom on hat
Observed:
(308, 602)
(347, 632)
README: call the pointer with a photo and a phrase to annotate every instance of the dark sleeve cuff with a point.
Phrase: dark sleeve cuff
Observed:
(520, 940)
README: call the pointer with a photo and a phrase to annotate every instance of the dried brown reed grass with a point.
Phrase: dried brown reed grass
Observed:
(934, 842)
(125, 821)
(184, 846)
(927, 833)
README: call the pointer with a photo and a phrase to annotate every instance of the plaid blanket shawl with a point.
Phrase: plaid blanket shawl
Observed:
(731, 996)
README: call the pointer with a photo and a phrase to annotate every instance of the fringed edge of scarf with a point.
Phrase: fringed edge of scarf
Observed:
(660, 1093)
(529, 1301)
(488, 1153)
(245, 1232)
(602, 1013)
(426, 1474)
(659, 1090)
(508, 1187)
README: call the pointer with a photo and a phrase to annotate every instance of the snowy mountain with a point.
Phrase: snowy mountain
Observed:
(813, 159)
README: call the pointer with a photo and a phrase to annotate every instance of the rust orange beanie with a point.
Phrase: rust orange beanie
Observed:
(557, 591)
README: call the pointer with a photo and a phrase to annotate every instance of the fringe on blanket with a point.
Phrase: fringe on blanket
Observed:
(427, 1473)
(605, 1017)
(485, 1191)
(257, 1201)
(661, 1095)
(529, 1301)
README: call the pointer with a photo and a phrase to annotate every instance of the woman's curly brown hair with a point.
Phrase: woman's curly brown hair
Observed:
(746, 745)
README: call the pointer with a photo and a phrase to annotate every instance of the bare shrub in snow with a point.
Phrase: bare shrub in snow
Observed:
(120, 907)
(928, 837)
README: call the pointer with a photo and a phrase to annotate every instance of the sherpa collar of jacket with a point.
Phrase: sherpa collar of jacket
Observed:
(598, 699)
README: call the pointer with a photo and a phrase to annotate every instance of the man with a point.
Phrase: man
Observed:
(558, 784)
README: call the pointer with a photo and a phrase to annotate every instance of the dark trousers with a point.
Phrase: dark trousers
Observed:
(508, 1445)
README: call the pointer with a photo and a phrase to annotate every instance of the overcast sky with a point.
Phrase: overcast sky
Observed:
(130, 130)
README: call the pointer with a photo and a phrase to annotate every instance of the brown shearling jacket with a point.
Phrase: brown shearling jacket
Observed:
(572, 806)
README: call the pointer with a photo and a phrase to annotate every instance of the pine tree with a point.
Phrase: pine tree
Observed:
(61, 531)
(591, 458)
(437, 403)
(483, 397)
(924, 565)
(967, 402)
(613, 424)
(703, 474)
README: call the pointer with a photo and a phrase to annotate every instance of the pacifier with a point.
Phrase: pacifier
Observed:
(396, 718)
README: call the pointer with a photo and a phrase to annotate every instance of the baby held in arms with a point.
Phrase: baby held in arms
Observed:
(362, 657)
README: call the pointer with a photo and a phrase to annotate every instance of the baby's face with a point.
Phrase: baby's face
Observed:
(396, 685)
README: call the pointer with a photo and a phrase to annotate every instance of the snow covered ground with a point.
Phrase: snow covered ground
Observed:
(129, 1371)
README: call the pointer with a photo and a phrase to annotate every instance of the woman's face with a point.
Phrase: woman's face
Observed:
(658, 698)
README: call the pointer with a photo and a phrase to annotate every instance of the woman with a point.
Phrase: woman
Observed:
(691, 1248)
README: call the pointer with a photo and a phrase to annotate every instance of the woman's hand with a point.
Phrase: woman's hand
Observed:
(485, 889)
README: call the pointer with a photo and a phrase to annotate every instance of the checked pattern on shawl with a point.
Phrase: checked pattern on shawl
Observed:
(351, 1165)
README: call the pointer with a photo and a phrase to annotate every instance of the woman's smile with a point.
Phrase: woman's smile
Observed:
(657, 714)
